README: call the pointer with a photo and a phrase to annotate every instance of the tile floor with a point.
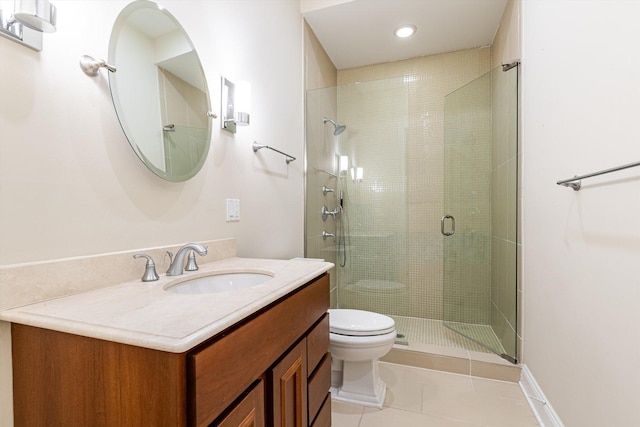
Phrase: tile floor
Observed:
(434, 332)
(421, 397)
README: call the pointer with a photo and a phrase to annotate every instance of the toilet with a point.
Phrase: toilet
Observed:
(357, 339)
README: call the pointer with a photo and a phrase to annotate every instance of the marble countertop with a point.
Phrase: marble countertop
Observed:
(146, 315)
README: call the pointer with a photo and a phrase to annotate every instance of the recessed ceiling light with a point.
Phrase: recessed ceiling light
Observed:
(405, 31)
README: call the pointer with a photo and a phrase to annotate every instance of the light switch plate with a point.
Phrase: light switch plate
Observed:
(233, 210)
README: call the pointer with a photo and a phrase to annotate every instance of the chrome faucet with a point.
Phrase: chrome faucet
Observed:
(192, 265)
(177, 265)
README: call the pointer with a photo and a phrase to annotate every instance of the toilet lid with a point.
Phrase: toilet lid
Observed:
(359, 322)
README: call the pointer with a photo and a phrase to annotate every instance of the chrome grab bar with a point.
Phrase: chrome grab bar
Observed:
(287, 157)
(453, 225)
(575, 181)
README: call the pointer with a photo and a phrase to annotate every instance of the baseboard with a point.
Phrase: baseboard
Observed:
(541, 407)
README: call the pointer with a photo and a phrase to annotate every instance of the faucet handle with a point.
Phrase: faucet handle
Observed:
(325, 234)
(150, 274)
(191, 262)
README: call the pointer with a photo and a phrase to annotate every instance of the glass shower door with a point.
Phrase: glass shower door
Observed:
(479, 222)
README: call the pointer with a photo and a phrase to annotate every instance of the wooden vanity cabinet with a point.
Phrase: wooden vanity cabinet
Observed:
(289, 388)
(272, 368)
(249, 412)
(301, 380)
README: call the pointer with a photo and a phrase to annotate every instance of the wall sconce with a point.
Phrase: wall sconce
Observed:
(236, 104)
(343, 165)
(357, 174)
(24, 21)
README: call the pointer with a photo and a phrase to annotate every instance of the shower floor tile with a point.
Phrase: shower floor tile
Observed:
(434, 332)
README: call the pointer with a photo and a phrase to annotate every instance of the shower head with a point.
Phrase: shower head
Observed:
(338, 128)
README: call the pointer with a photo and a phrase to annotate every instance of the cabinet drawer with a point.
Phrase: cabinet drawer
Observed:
(318, 343)
(324, 415)
(319, 384)
(62, 379)
(220, 372)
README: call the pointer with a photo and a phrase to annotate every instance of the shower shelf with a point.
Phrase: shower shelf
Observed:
(576, 183)
(327, 172)
(371, 236)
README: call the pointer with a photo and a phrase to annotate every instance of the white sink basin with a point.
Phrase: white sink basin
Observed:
(214, 283)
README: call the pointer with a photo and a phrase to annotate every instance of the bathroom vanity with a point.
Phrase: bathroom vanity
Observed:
(270, 367)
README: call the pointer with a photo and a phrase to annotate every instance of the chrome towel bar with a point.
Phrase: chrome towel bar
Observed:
(257, 147)
(576, 183)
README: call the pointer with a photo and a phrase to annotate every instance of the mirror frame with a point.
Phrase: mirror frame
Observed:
(120, 22)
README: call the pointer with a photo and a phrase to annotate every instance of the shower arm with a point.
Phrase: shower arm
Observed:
(91, 66)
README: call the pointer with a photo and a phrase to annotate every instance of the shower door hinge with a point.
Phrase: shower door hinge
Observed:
(507, 67)
(509, 358)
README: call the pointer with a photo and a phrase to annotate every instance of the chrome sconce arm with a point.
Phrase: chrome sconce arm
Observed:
(91, 66)
(27, 21)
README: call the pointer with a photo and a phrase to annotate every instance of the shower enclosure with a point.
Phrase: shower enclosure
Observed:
(424, 186)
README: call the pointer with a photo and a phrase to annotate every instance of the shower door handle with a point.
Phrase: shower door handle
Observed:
(453, 225)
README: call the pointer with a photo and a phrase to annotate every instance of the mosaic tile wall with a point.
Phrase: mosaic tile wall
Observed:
(423, 151)
(394, 115)
(375, 215)
(467, 197)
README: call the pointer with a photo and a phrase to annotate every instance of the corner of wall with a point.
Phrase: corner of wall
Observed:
(506, 44)
(319, 70)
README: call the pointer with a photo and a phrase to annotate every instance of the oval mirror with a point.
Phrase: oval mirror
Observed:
(159, 91)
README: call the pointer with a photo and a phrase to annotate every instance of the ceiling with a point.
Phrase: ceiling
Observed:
(360, 32)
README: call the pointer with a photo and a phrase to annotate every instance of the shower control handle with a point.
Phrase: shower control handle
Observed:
(325, 234)
(325, 212)
(453, 225)
(326, 190)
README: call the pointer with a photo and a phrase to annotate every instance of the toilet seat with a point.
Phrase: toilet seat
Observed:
(359, 323)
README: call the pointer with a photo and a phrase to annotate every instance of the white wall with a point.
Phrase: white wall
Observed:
(69, 182)
(70, 185)
(581, 106)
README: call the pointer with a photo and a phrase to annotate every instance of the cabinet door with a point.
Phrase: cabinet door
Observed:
(289, 388)
(249, 412)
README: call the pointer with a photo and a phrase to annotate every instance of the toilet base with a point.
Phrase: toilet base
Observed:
(359, 383)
